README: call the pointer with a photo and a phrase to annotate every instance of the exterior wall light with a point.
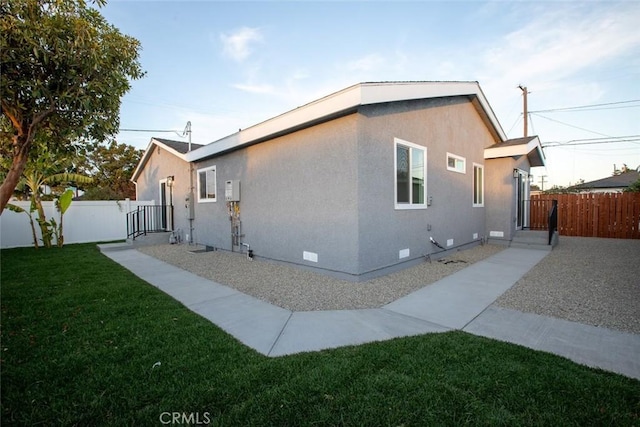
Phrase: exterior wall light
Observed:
(516, 173)
(170, 181)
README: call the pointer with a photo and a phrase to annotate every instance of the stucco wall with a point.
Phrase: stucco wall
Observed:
(328, 190)
(298, 194)
(442, 125)
(501, 196)
(159, 166)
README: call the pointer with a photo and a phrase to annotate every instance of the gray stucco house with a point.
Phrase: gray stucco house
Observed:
(371, 178)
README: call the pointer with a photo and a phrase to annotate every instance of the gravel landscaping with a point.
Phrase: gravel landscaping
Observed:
(584, 279)
(588, 280)
(302, 290)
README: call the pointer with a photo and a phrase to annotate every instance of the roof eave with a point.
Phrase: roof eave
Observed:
(343, 102)
(532, 149)
(147, 153)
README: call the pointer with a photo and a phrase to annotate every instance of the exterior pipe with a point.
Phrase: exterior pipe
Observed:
(249, 251)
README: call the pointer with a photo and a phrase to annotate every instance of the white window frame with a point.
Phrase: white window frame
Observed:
(215, 183)
(410, 204)
(459, 161)
(473, 195)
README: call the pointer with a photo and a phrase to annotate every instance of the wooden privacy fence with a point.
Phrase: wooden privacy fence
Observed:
(590, 214)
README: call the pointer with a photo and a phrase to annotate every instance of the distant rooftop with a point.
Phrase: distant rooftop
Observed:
(622, 180)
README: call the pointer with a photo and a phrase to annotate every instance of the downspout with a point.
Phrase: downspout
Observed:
(191, 195)
(191, 208)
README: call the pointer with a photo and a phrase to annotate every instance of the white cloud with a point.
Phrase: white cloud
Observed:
(561, 43)
(366, 63)
(237, 45)
(560, 55)
(207, 128)
(263, 88)
(300, 74)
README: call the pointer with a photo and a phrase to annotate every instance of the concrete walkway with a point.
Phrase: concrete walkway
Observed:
(463, 301)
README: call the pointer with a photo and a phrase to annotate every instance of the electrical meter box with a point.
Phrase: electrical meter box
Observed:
(232, 191)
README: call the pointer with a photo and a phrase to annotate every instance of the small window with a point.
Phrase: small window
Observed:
(456, 163)
(411, 173)
(207, 184)
(478, 185)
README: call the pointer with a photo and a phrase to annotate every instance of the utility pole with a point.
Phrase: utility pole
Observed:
(542, 179)
(525, 110)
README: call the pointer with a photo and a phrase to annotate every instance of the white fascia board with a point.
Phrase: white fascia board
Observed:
(388, 92)
(147, 153)
(351, 97)
(339, 101)
(169, 149)
(514, 150)
(142, 162)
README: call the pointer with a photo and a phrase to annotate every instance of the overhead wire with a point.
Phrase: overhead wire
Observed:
(594, 141)
(147, 130)
(590, 107)
(515, 123)
(573, 126)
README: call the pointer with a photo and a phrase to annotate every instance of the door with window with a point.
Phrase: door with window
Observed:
(165, 210)
(522, 196)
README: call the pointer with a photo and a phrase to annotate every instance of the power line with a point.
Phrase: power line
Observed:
(147, 130)
(605, 138)
(531, 121)
(573, 126)
(515, 123)
(587, 142)
(590, 109)
(582, 107)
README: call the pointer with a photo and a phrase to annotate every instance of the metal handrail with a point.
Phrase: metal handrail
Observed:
(149, 219)
(553, 219)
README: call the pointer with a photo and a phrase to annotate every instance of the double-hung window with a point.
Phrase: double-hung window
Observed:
(411, 174)
(478, 185)
(207, 184)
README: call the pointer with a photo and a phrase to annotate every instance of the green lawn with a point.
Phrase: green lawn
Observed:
(81, 336)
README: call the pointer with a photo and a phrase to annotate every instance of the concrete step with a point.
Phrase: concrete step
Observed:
(121, 246)
(150, 239)
(144, 240)
(539, 246)
(533, 239)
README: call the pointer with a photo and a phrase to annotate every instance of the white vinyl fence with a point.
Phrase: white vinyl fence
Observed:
(84, 221)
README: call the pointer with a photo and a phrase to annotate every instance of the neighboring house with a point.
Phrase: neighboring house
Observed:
(613, 184)
(355, 183)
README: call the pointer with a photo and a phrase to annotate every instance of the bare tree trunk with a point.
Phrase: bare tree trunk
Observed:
(60, 238)
(21, 145)
(33, 232)
(25, 131)
(45, 227)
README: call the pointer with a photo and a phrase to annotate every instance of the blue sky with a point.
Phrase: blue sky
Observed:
(229, 65)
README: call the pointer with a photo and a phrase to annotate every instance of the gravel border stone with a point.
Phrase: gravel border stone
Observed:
(589, 280)
(297, 289)
(595, 281)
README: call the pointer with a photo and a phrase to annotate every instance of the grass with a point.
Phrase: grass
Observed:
(82, 338)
